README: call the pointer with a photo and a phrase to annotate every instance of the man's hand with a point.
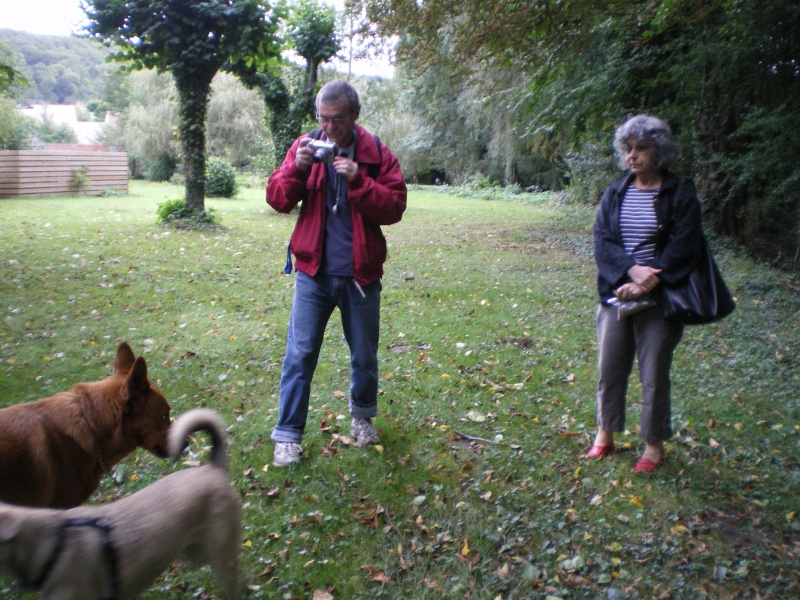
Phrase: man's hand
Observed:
(344, 166)
(305, 155)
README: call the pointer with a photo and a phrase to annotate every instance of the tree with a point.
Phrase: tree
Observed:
(192, 41)
(236, 124)
(311, 30)
(724, 73)
(150, 125)
(13, 127)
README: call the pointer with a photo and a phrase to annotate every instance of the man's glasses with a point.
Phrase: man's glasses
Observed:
(333, 120)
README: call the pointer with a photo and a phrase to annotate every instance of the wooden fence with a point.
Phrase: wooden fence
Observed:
(61, 173)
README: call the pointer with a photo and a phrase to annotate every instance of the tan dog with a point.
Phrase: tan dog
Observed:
(117, 550)
(53, 452)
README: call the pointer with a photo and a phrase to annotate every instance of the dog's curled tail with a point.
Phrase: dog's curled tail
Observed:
(199, 419)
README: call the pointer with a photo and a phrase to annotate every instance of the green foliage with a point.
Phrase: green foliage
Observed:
(236, 120)
(160, 169)
(289, 95)
(220, 178)
(263, 162)
(9, 75)
(723, 73)
(311, 28)
(487, 403)
(150, 121)
(79, 182)
(15, 129)
(590, 170)
(178, 214)
(192, 41)
(48, 131)
(98, 109)
(57, 69)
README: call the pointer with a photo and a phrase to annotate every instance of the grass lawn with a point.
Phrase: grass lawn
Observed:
(487, 363)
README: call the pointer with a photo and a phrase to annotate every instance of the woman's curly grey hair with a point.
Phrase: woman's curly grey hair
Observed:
(652, 130)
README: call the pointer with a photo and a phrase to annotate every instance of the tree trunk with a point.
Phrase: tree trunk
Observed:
(193, 97)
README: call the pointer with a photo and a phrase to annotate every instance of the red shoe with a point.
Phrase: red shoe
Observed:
(645, 465)
(600, 451)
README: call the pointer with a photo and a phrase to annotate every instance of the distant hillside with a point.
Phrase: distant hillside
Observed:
(59, 69)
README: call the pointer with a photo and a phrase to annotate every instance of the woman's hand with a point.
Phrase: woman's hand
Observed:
(644, 277)
(629, 291)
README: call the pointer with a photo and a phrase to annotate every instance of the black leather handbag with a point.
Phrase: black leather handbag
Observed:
(700, 298)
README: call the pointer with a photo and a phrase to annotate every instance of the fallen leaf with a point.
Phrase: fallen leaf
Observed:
(476, 416)
(343, 439)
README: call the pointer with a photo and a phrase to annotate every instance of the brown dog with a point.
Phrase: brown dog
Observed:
(53, 452)
(117, 550)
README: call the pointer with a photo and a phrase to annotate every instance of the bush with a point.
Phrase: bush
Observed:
(14, 128)
(220, 178)
(161, 169)
(176, 213)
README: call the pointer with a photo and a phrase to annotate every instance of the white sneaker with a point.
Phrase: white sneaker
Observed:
(363, 432)
(286, 454)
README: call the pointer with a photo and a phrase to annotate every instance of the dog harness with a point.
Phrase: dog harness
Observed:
(109, 554)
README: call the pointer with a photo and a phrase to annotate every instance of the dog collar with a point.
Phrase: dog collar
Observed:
(99, 452)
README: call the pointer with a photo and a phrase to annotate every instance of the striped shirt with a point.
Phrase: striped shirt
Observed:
(638, 224)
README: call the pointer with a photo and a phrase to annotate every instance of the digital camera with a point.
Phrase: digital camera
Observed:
(324, 151)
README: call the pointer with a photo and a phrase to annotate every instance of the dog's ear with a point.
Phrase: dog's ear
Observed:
(137, 386)
(124, 359)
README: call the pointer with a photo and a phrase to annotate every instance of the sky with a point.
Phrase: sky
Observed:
(63, 17)
(42, 17)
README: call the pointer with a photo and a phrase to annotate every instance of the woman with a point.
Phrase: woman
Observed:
(647, 231)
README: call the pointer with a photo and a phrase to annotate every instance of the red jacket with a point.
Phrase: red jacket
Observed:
(374, 202)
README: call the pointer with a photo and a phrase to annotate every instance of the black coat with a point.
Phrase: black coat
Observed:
(679, 240)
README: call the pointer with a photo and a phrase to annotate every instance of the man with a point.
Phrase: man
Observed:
(339, 253)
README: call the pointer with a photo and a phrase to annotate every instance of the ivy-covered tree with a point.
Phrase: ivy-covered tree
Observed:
(192, 41)
(311, 33)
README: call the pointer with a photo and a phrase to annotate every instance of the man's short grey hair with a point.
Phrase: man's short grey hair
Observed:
(333, 92)
(649, 130)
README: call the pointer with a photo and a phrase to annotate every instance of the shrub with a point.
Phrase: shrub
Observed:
(79, 182)
(220, 178)
(176, 213)
(161, 169)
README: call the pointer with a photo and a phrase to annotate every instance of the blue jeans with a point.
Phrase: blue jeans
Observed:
(314, 301)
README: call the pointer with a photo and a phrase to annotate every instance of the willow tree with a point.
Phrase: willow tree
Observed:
(192, 41)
